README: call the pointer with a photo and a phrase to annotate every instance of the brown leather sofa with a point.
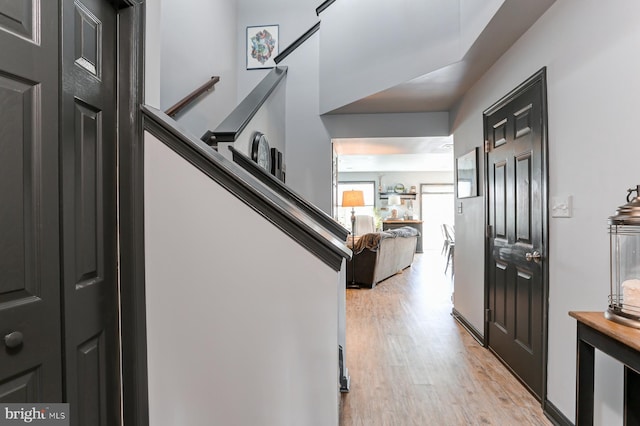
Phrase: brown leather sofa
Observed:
(379, 255)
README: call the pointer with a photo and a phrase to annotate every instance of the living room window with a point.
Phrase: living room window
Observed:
(368, 189)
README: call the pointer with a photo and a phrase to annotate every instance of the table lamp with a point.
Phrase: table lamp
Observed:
(353, 199)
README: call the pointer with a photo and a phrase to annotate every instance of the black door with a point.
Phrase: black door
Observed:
(516, 267)
(89, 228)
(30, 360)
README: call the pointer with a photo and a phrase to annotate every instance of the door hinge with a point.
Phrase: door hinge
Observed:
(487, 315)
(487, 146)
(489, 231)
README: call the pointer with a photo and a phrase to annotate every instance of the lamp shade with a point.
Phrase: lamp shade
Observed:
(352, 199)
(394, 200)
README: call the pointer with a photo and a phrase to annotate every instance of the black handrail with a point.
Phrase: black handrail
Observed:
(182, 103)
(283, 214)
(293, 46)
(235, 122)
(284, 191)
(323, 6)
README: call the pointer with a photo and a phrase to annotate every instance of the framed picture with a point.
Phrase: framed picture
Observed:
(262, 46)
(467, 174)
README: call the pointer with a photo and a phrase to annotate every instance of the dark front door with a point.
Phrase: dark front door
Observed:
(89, 211)
(516, 266)
(30, 348)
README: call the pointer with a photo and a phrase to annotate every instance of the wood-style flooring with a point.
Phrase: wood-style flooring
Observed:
(411, 363)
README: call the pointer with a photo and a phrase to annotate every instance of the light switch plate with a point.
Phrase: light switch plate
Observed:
(562, 206)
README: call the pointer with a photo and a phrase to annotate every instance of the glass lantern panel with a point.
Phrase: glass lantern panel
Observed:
(626, 266)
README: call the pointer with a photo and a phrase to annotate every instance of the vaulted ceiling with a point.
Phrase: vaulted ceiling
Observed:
(439, 90)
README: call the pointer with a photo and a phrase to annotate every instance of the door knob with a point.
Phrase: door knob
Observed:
(535, 256)
(13, 340)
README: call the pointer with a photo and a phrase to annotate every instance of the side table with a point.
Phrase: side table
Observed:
(618, 341)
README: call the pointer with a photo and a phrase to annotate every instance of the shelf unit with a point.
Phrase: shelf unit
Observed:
(403, 195)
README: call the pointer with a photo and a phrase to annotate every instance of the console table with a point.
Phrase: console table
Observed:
(398, 223)
(620, 342)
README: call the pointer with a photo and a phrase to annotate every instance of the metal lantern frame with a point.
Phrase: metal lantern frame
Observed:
(624, 262)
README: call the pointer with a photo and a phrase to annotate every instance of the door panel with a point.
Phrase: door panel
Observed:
(524, 310)
(91, 381)
(88, 204)
(523, 198)
(29, 220)
(89, 211)
(499, 296)
(17, 17)
(500, 199)
(16, 189)
(516, 178)
(21, 388)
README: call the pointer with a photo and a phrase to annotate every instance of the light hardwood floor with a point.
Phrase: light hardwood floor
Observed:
(411, 363)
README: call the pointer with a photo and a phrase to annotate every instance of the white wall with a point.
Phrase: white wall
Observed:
(198, 41)
(593, 83)
(362, 51)
(231, 339)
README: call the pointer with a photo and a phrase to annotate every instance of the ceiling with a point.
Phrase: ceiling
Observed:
(394, 154)
(439, 90)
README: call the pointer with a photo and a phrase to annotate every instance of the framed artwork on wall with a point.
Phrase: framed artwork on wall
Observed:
(467, 174)
(262, 46)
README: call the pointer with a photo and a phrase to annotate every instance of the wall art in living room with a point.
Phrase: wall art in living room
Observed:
(262, 46)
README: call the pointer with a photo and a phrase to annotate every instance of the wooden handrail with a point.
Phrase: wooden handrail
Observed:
(181, 104)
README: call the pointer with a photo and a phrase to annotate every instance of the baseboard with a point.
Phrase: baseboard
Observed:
(467, 326)
(552, 412)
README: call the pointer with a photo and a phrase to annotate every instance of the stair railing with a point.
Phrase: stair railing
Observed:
(182, 103)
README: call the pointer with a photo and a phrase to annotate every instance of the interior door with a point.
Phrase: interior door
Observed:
(516, 238)
(89, 211)
(30, 349)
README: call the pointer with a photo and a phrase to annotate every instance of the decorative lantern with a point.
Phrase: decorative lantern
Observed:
(624, 236)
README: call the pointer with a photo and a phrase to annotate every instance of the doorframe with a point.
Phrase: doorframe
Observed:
(133, 335)
(539, 76)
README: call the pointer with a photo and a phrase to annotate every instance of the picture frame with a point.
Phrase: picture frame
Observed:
(467, 174)
(262, 46)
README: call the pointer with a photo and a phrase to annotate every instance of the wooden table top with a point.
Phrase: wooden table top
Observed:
(628, 335)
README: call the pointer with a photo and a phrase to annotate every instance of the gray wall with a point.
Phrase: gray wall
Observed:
(362, 51)
(308, 156)
(198, 41)
(371, 46)
(417, 124)
(294, 17)
(593, 84)
(305, 136)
